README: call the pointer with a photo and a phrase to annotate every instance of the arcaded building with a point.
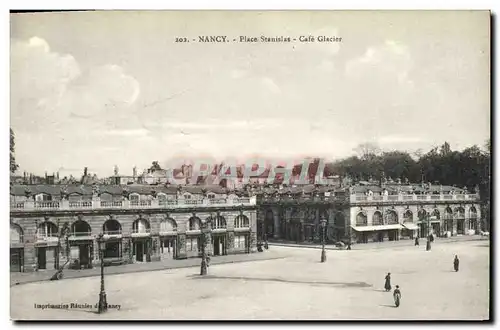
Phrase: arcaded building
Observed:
(140, 223)
(367, 212)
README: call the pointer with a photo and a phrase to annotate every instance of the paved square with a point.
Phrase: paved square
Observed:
(348, 286)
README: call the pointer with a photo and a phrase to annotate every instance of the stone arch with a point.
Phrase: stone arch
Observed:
(112, 227)
(472, 212)
(80, 228)
(168, 225)
(472, 221)
(141, 225)
(408, 216)
(459, 212)
(377, 219)
(422, 214)
(448, 219)
(361, 219)
(16, 233)
(241, 221)
(194, 223)
(269, 222)
(391, 217)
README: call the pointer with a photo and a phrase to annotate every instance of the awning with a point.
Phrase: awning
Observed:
(410, 226)
(376, 228)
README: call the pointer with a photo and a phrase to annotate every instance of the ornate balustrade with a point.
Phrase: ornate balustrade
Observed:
(405, 198)
(96, 204)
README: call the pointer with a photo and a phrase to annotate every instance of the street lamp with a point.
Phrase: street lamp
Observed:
(103, 305)
(428, 245)
(323, 252)
(205, 237)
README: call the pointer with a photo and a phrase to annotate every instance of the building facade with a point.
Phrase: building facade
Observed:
(140, 223)
(367, 213)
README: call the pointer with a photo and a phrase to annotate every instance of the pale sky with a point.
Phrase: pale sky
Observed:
(113, 88)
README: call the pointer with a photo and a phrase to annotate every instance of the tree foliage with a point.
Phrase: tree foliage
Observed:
(13, 165)
(467, 168)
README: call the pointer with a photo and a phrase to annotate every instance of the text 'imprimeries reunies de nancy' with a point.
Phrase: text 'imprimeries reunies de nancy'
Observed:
(73, 306)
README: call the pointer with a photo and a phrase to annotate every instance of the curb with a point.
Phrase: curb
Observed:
(144, 270)
(368, 248)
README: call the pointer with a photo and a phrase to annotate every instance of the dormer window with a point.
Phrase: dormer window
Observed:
(187, 196)
(211, 196)
(43, 197)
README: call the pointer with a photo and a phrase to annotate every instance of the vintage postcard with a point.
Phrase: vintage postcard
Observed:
(250, 165)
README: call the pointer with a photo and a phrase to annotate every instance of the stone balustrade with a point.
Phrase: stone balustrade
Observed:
(97, 204)
(406, 198)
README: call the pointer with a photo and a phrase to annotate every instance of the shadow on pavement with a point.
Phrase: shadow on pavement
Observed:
(390, 306)
(338, 284)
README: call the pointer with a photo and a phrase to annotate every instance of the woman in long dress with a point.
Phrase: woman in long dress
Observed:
(456, 262)
(387, 285)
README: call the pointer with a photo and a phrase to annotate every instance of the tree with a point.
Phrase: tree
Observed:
(367, 150)
(13, 165)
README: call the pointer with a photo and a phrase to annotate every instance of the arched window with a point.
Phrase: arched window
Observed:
(80, 228)
(361, 219)
(448, 213)
(472, 213)
(16, 234)
(194, 223)
(168, 225)
(422, 215)
(408, 216)
(141, 226)
(241, 221)
(218, 222)
(47, 229)
(391, 217)
(460, 213)
(377, 219)
(111, 227)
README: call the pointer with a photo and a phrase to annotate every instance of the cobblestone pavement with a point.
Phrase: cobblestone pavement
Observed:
(298, 287)
(45, 275)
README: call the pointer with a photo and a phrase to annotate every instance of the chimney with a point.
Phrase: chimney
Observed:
(57, 175)
(84, 171)
(134, 172)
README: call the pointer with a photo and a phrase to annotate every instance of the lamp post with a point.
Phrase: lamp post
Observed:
(103, 305)
(428, 245)
(205, 236)
(323, 252)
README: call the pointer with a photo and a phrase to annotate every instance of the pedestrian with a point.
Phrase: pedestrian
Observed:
(349, 245)
(387, 285)
(456, 262)
(397, 296)
(416, 241)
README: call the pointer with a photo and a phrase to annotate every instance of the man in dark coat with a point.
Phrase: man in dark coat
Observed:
(416, 241)
(456, 262)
